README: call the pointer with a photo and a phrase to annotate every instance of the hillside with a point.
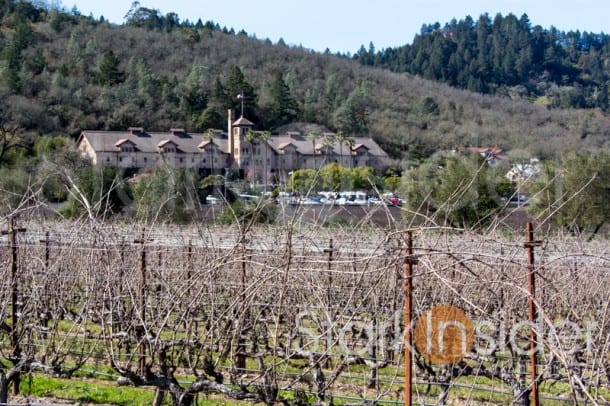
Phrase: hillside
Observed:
(64, 73)
(507, 55)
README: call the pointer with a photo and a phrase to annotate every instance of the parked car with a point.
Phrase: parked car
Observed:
(213, 200)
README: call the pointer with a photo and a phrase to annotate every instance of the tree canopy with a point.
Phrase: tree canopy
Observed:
(456, 190)
(506, 55)
(573, 193)
(64, 72)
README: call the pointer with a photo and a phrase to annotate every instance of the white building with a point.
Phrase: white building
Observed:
(239, 149)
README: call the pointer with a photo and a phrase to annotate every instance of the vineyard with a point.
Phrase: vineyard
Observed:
(303, 314)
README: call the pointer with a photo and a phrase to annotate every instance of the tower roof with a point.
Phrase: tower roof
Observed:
(243, 122)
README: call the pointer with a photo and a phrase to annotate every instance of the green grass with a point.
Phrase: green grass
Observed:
(86, 391)
(104, 392)
(95, 391)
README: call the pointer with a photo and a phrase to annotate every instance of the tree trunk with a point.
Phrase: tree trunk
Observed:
(4, 381)
(159, 396)
(521, 396)
(186, 399)
(444, 395)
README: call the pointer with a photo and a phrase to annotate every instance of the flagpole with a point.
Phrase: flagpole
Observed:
(242, 103)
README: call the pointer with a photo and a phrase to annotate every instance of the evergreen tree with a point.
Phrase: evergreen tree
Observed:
(283, 108)
(237, 86)
(108, 73)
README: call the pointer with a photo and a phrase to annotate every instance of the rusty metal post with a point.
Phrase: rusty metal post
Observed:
(14, 336)
(529, 245)
(47, 250)
(329, 279)
(410, 261)
(47, 259)
(242, 319)
(12, 241)
(141, 331)
(189, 260)
(329, 295)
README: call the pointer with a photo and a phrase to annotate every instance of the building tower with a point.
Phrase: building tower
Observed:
(238, 146)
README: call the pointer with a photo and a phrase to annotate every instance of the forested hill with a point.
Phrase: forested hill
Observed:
(61, 72)
(507, 56)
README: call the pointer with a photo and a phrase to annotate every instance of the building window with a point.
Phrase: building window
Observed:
(145, 159)
(181, 160)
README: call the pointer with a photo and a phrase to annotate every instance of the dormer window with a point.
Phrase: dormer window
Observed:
(125, 145)
(166, 146)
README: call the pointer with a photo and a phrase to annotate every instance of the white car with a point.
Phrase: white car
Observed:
(212, 200)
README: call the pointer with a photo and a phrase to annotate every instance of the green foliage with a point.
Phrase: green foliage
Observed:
(13, 146)
(98, 192)
(364, 178)
(353, 115)
(428, 106)
(159, 72)
(505, 56)
(574, 193)
(15, 192)
(193, 97)
(108, 70)
(456, 190)
(237, 83)
(281, 108)
(209, 118)
(248, 212)
(303, 181)
(334, 177)
(167, 195)
(88, 392)
(56, 159)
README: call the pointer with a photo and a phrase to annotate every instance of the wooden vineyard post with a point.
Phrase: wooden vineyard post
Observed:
(242, 319)
(12, 242)
(47, 258)
(529, 246)
(47, 250)
(410, 261)
(141, 330)
(189, 261)
(329, 294)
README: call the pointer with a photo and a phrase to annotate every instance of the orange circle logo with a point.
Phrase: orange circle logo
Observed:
(443, 335)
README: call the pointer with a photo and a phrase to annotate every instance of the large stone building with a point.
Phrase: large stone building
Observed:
(239, 150)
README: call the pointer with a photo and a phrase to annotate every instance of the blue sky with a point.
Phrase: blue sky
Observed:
(344, 25)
